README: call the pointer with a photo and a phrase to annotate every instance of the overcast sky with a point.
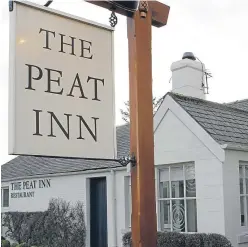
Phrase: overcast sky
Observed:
(216, 31)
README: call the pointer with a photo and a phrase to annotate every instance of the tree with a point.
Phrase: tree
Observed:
(126, 113)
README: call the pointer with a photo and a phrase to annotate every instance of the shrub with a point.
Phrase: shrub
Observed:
(13, 222)
(172, 239)
(22, 245)
(5, 243)
(127, 240)
(176, 239)
(196, 240)
(14, 245)
(62, 225)
(217, 240)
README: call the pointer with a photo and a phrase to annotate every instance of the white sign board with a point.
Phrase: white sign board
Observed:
(61, 85)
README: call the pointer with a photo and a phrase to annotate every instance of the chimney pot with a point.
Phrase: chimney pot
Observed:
(189, 55)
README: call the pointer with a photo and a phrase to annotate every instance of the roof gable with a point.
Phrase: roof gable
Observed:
(170, 104)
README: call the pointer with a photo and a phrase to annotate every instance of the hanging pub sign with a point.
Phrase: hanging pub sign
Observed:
(61, 85)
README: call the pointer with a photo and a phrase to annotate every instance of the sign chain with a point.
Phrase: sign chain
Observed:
(113, 19)
(143, 8)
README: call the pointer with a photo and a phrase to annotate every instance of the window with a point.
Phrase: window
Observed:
(177, 198)
(128, 196)
(5, 197)
(243, 186)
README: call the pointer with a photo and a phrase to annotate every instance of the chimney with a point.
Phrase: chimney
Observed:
(188, 76)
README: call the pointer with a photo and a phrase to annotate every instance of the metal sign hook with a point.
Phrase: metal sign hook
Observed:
(47, 4)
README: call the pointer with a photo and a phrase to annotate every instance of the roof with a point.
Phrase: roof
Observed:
(226, 123)
(25, 166)
(239, 104)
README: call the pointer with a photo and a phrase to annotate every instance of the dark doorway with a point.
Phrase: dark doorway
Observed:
(98, 212)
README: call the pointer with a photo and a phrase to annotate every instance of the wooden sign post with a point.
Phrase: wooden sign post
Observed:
(141, 131)
(144, 227)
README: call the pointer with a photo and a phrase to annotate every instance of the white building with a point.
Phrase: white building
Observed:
(201, 168)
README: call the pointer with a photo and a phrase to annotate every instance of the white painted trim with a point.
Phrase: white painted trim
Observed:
(128, 210)
(113, 93)
(192, 66)
(170, 104)
(242, 238)
(11, 82)
(235, 147)
(103, 170)
(157, 197)
(114, 205)
(87, 209)
(63, 14)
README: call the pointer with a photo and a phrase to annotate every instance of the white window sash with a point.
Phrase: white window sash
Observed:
(243, 195)
(170, 199)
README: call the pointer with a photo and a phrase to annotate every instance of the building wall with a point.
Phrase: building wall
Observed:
(176, 143)
(233, 228)
(70, 188)
(75, 188)
(217, 190)
(122, 207)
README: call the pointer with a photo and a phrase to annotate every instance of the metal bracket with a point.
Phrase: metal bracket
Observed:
(124, 161)
(11, 5)
(48, 3)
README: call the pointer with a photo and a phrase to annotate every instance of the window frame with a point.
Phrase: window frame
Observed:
(2, 196)
(244, 195)
(170, 199)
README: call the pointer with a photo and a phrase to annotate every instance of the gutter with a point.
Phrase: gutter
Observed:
(64, 174)
(234, 147)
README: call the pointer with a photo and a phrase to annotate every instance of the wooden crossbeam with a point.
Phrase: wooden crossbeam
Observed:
(159, 11)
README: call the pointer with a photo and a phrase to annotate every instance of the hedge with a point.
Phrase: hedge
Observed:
(176, 239)
(5, 243)
(62, 225)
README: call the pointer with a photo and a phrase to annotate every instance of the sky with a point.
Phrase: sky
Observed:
(215, 31)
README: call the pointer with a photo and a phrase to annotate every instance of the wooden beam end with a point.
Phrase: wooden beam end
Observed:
(160, 13)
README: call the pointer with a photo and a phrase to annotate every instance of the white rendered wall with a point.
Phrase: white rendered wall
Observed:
(122, 207)
(176, 143)
(231, 197)
(72, 188)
